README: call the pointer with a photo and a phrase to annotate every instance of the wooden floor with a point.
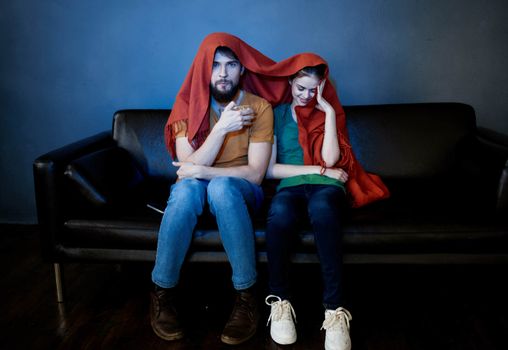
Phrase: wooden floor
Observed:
(393, 307)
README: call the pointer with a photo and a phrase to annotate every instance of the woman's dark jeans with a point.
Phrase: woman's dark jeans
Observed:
(323, 206)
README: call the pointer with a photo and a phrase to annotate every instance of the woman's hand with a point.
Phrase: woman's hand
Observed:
(337, 174)
(323, 104)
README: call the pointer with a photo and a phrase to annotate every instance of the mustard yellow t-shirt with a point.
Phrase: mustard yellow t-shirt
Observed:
(235, 148)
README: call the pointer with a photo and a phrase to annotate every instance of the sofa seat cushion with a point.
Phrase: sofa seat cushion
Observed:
(424, 237)
(111, 233)
(383, 236)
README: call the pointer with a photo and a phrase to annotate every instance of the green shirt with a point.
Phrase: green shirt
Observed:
(289, 150)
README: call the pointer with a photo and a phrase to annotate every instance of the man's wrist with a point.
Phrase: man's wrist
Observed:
(218, 130)
(204, 172)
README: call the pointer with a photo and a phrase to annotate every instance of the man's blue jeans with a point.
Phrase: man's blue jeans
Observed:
(229, 199)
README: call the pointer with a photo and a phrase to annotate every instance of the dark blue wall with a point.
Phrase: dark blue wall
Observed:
(66, 66)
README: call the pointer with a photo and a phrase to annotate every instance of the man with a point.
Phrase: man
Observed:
(223, 163)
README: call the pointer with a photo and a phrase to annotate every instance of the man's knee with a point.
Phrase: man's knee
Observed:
(222, 188)
(187, 195)
(186, 188)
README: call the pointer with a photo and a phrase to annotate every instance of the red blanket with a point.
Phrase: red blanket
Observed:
(269, 79)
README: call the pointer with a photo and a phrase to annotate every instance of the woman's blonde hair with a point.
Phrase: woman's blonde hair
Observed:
(314, 71)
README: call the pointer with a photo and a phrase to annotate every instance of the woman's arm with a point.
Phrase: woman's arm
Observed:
(282, 171)
(330, 151)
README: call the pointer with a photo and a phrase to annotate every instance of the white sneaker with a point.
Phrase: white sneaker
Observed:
(282, 329)
(336, 324)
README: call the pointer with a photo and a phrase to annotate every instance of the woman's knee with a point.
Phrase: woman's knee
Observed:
(329, 202)
(282, 212)
(321, 208)
(279, 209)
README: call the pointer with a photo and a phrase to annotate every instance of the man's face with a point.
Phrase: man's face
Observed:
(226, 73)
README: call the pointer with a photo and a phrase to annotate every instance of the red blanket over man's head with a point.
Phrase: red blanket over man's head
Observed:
(269, 79)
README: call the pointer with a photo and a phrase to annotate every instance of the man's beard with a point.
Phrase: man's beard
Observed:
(224, 96)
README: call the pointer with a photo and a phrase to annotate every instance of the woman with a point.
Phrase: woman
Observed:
(316, 192)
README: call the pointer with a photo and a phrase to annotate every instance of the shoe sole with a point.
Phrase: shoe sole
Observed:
(174, 336)
(230, 341)
(287, 341)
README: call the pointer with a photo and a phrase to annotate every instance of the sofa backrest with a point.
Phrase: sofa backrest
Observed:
(394, 141)
(410, 140)
(141, 133)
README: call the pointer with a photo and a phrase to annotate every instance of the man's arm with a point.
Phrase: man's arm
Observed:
(254, 171)
(230, 120)
(204, 155)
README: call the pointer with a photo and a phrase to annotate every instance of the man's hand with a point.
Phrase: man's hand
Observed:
(189, 170)
(234, 118)
(337, 174)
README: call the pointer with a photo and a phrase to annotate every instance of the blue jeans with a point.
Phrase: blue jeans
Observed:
(229, 200)
(323, 206)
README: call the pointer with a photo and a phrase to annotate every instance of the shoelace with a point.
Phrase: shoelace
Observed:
(333, 319)
(279, 309)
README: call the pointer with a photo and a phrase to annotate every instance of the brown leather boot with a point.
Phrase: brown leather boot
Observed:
(163, 316)
(243, 322)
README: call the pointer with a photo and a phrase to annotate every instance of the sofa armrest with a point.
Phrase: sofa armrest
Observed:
(502, 193)
(50, 185)
(495, 151)
(108, 178)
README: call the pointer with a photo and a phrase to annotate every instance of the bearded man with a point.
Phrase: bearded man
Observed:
(222, 159)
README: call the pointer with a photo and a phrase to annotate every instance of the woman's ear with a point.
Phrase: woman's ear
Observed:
(290, 81)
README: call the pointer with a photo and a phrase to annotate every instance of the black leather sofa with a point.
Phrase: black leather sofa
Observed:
(448, 181)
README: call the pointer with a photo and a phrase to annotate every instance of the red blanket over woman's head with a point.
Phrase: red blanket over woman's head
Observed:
(269, 79)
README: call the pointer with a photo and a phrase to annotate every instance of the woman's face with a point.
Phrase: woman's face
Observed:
(303, 89)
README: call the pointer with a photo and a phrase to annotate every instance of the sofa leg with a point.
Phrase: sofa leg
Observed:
(59, 285)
